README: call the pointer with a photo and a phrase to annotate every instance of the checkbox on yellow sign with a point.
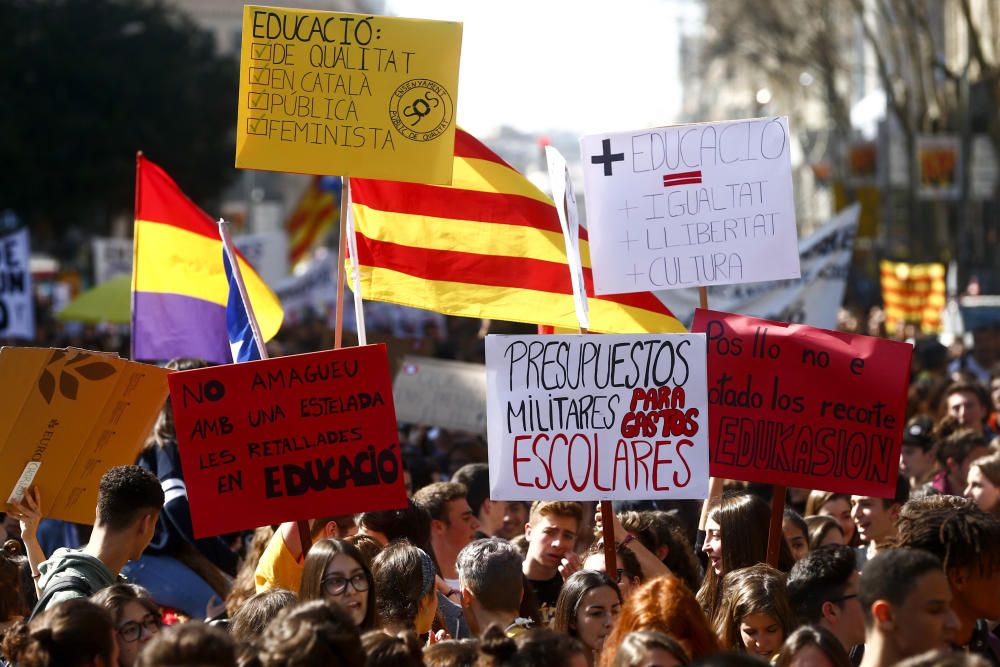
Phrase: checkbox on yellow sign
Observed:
(260, 76)
(257, 101)
(260, 51)
(257, 125)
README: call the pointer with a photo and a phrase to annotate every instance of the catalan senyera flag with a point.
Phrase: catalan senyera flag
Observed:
(315, 214)
(179, 287)
(913, 294)
(488, 246)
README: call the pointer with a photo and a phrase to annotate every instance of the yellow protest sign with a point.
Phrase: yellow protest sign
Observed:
(66, 417)
(348, 94)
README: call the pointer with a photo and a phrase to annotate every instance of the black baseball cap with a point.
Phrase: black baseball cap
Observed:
(919, 431)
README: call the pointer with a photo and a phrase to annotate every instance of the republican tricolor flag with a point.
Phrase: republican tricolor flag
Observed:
(488, 246)
(179, 286)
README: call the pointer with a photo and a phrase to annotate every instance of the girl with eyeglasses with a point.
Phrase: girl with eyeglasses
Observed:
(336, 571)
(136, 618)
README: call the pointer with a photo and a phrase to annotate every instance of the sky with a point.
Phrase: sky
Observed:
(544, 65)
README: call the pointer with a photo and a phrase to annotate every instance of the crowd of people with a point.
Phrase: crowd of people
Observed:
(457, 578)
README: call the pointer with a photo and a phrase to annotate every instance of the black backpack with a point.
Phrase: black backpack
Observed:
(61, 585)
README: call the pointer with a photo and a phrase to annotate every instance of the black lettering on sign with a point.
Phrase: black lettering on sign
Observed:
(203, 428)
(231, 481)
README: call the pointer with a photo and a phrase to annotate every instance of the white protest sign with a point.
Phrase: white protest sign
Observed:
(813, 299)
(112, 257)
(17, 311)
(267, 254)
(312, 288)
(582, 417)
(690, 206)
(565, 200)
(437, 392)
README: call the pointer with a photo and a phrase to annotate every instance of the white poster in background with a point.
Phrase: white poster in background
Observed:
(611, 417)
(565, 201)
(17, 311)
(112, 257)
(690, 206)
(267, 254)
(312, 288)
(438, 392)
(813, 299)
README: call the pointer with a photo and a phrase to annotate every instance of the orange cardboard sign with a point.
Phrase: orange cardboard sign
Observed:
(66, 417)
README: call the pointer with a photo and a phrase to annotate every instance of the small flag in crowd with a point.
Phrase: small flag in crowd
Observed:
(488, 246)
(179, 288)
(314, 216)
(241, 339)
(913, 294)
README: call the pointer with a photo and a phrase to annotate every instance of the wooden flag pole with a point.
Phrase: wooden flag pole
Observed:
(774, 533)
(608, 535)
(338, 332)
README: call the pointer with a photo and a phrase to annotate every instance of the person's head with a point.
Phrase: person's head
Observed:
(967, 542)
(453, 524)
(404, 578)
(812, 646)
(983, 487)
(336, 570)
(551, 532)
(452, 653)
(650, 649)
(945, 658)
(129, 500)
(339, 526)
(489, 574)
(836, 505)
(136, 618)
(665, 604)
(755, 615)
(663, 534)
(73, 633)
(968, 403)
(906, 602)
(796, 533)
(824, 530)
(11, 597)
(876, 518)
(367, 545)
(312, 633)
(412, 524)
(537, 647)
(918, 454)
(490, 513)
(254, 615)
(192, 643)
(164, 433)
(587, 607)
(823, 590)
(514, 517)
(627, 571)
(957, 452)
(382, 649)
(736, 537)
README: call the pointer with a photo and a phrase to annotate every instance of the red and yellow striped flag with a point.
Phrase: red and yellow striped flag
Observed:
(913, 294)
(314, 216)
(489, 246)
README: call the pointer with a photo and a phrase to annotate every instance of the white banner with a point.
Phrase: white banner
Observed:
(267, 254)
(17, 311)
(813, 299)
(612, 417)
(112, 257)
(690, 205)
(437, 392)
(315, 287)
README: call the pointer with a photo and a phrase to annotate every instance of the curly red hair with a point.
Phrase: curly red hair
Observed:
(667, 605)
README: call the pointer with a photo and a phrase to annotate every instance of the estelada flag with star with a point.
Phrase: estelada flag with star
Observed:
(488, 246)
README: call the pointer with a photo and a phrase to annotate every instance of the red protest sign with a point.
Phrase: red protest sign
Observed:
(288, 438)
(799, 406)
